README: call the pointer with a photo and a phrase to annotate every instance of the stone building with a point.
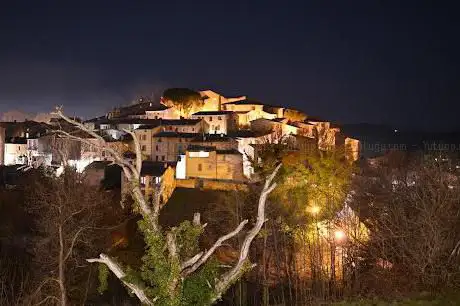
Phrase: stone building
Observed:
(145, 136)
(154, 174)
(206, 162)
(15, 152)
(214, 101)
(219, 141)
(217, 122)
(280, 127)
(248, 110)
(168, 146)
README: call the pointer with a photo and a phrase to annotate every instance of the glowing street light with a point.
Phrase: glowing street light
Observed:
(339, 235)
(315, 210)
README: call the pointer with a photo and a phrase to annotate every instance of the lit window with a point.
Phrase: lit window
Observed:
(199, 154)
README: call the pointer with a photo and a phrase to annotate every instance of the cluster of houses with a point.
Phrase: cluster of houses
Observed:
(217, 141)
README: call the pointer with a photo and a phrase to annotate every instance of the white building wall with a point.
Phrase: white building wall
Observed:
(15, 154)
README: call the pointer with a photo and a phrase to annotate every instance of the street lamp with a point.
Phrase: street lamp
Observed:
(339, 235)
(315, 210)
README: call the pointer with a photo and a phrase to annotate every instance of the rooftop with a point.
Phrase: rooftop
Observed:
(127, 121)
(152, 168)
(173, 122)
(179, 121)
(211, 113)
(230, 151)
(174, 134)
(99, 164)
(16, 140)
(198, 148)
(247, 134)
(245, 102)
(210, 137)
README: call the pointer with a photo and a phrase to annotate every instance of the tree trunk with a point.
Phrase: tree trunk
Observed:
(62, 288)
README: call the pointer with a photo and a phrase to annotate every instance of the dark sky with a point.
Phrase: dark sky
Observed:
(392, 62)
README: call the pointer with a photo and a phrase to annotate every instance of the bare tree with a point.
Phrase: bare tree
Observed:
(168, 266)
(66, 212)
(413, 215)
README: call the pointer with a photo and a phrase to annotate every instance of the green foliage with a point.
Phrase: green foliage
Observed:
(160, 273)
(156, 268)
(320, 179)
(159, 270)
(103, 278)
(133, 277)
(188, 238)
(198, 288)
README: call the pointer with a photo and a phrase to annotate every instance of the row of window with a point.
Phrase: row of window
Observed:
(200, 167)
(144, 148)
(210, 118)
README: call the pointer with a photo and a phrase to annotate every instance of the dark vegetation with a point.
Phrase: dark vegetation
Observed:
(401, 243)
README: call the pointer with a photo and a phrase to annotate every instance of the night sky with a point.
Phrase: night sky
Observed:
(390, 62)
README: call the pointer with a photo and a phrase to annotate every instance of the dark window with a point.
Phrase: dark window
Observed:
(200, 167)
(143, 148)
(193, 129)
(156, 147)
(163, 158)
(210, 118)
(219, 118)
(156, 158)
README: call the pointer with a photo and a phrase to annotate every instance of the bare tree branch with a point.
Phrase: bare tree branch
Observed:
(131, 172)
(120, 274)
(211, 251)
(228, 278)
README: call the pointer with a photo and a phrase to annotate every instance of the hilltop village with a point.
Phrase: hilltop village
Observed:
(211, 143)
